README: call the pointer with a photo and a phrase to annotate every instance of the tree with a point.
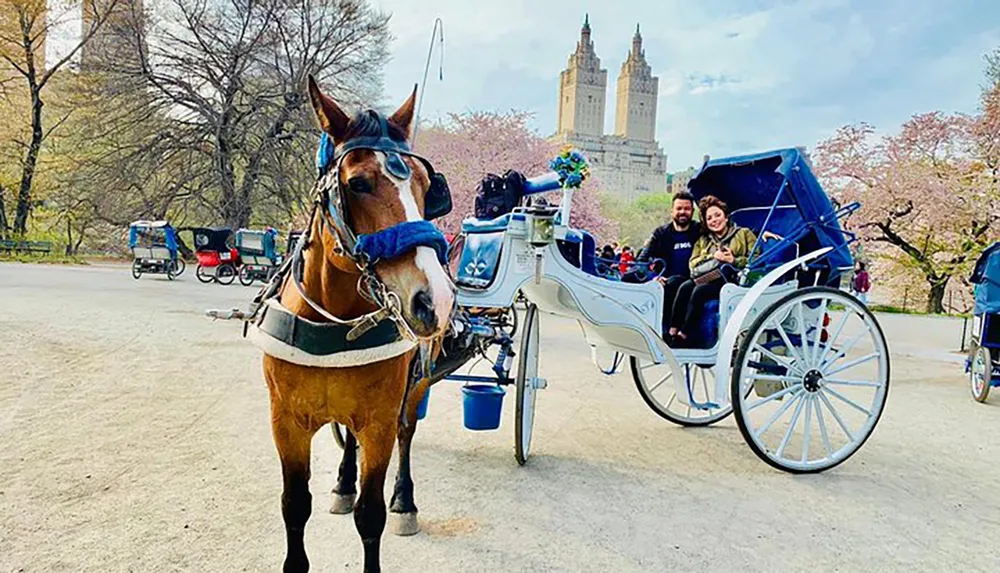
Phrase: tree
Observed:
(225, 85)
(466, 147)
(927, 202)
(637, 218)
(24, 27)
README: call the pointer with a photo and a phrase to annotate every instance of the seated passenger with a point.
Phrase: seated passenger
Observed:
(720, 251)
(672, 243)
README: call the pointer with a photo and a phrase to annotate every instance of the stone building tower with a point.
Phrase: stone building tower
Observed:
(115, 44)
(628, 163)
(582, 88)
(635, 115)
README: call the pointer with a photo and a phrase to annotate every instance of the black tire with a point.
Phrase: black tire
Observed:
(524, 412)
(225, 274)
(751, 336)
(179, 266)
(202, 276)
(136, 269)
(981, 388)
(246, 275)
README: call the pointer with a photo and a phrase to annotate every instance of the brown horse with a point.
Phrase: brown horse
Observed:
(366, 398)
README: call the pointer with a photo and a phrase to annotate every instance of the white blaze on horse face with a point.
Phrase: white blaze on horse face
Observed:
(442, 292)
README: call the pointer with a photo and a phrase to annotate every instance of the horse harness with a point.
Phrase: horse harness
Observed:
(374, 336)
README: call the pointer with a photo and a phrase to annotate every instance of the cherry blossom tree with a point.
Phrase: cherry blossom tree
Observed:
(929, 199)
(465, 147)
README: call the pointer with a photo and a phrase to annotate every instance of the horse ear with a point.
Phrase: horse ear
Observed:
(332, 119)
(404, 115)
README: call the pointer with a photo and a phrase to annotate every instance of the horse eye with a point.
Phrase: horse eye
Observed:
(359, 185)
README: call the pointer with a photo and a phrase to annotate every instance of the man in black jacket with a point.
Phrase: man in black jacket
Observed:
(672, 243)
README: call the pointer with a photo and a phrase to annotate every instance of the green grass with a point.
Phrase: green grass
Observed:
(38, 258)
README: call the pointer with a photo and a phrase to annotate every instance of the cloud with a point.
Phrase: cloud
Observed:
(735, 76)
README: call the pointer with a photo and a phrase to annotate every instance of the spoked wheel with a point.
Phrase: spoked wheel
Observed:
(179, 266)
(658, 389)
(246, 275)
(981, 374)
(527, 383)
(203, 275)
(136, 269)
(225, 274)
(810, 380)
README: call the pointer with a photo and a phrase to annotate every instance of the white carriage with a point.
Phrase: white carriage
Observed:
(803, 364)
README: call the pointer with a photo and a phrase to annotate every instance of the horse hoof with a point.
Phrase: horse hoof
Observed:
(342, 504)
(404, 524)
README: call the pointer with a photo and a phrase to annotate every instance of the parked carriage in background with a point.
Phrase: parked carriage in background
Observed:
(218, 259)
(257, 254)
(154, 249)
(983, 363)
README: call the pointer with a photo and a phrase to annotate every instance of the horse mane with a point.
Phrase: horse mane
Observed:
(366, 124)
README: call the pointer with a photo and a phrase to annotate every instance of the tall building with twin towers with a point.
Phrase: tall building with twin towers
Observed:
(629, 162)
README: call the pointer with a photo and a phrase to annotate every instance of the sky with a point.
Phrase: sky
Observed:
(736, 76)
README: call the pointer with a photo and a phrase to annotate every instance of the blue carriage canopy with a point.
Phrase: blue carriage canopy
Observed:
(255, 242)
(152, 234)
(777, 191)
(986, 277)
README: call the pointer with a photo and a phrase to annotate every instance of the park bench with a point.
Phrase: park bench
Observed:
(9, 246)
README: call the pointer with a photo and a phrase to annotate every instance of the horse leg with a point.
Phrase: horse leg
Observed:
(294, 445)
(403, 511)
(369, 512)
(345, 492)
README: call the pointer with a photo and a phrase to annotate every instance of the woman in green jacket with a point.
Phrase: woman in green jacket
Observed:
(721, 243)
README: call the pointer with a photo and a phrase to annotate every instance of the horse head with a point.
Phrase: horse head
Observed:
(378, 193)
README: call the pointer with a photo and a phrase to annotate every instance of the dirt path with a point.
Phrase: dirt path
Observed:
(134, 437)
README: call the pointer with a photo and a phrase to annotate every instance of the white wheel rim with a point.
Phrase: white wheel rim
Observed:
(660, 388)
(812, 406)
(978, 373)
(530, 367)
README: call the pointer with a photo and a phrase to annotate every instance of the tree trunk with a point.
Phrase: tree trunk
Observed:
(3, 215)
(935, 298)
(30, 161)
(69, 237)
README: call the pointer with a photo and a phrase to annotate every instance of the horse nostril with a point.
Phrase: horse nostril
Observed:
(423, 309)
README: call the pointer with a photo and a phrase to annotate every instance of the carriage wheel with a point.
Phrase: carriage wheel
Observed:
(810, 380)
(981, 374)
(179, 266)
(527, 384)
(136, 269)
(225, 274)
(658, 389)
(202, 275)
(246, 275)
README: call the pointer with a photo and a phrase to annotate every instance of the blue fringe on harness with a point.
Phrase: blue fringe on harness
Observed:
(398, 239)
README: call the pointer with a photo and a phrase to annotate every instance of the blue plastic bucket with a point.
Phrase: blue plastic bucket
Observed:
(481, 406)
(422, 406)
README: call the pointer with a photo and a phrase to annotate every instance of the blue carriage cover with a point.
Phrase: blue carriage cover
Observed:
(266, 248)
(777, 191)
(986, 277)
(158, 233)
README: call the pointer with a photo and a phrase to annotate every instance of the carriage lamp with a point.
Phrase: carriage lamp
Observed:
(541, 228)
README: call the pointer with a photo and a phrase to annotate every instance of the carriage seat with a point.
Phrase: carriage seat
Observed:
(500, 223)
